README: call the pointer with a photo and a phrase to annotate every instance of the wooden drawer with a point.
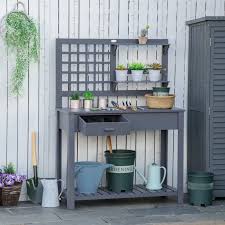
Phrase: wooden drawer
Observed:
(104, 125)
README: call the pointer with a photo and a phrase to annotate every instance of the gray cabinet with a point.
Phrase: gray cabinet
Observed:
(206, 98)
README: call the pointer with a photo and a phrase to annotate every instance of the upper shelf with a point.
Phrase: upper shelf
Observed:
(113, 41)
(135, 42)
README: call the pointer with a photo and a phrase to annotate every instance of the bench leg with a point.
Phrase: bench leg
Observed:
(70, 167)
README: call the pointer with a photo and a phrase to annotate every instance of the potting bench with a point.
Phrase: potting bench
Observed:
(85, 63)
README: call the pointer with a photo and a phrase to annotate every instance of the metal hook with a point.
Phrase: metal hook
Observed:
(17, 6)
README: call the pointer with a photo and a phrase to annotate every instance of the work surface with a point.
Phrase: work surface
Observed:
(115, 213)
(143, 109)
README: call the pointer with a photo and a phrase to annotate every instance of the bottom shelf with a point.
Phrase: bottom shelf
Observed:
(139, 191)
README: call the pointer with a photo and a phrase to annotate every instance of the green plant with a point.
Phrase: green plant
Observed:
(75, 96)
(121, 67)
(21, 35)
(136, 66)
(9, 169)
(155, 66)
(88, 95)
(144, 31)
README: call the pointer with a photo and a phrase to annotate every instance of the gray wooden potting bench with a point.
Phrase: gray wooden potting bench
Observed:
(85, 58)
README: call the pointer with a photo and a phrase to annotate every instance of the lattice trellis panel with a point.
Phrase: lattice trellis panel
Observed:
(89, 64)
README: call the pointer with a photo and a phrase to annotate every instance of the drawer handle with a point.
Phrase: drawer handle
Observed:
(109, 129)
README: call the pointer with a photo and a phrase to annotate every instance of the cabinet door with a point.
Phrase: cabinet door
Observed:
(217, 108)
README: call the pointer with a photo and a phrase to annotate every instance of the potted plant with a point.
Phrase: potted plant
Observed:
(121, 73)
(10, 185)
(143, 38)
(137, 71)
(155, 72)
(161, 91)
(75, 100)
(88, 100)
(21, 35)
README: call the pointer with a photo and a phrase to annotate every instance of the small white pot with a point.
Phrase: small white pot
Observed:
(88, 104)
(121, 75)
(137, 75)
(102, 103)
(74, 104)
(155, 75)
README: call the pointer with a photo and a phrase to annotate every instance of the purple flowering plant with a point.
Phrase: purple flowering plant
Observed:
(8, 176)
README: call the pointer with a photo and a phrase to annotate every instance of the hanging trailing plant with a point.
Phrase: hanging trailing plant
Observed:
(21, 35)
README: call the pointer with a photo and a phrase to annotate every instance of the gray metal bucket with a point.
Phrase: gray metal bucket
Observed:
(88, 176)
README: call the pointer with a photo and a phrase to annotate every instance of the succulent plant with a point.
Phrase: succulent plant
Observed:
(155, 66)
(144, 31)
(136, 66)
(75, 96)
(88, 95)
(121, 67)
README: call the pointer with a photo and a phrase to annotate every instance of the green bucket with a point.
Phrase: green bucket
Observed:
(200, 188)
(120, 177)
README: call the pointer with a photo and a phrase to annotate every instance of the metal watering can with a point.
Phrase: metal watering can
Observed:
(51, 196)
(154, 181)
(88, 176)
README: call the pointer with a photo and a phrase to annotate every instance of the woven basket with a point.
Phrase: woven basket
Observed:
(160, 102)
(9, 196)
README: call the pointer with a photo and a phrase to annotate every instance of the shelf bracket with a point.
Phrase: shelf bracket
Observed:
(114, 48)
(165, 49)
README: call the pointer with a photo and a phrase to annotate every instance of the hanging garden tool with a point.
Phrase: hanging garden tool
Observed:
(21, 35)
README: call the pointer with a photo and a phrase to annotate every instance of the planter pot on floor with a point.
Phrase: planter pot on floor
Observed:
(155, 75)
(74, 104)
(121, 75)
(9, 195)
(137, 75)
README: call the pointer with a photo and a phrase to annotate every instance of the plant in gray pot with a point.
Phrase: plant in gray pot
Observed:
(143, 38)
(137, 70)
(88, 100)
(75, 100)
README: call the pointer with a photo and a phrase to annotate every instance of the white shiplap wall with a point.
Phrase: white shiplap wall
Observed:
(93, 19)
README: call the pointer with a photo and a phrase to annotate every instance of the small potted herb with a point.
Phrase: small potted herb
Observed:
(121, 73)
(143, 38)
(88, 100)
(137, 71)
(75, 100)
(10, 185)
(155, 72)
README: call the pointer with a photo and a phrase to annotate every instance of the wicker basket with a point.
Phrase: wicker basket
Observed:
(160, 102)
(9, 196)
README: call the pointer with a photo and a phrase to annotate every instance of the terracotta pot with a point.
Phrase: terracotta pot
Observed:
(88, 104)
(74, 104)
(142, 40)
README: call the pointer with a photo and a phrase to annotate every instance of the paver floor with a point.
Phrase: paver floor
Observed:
(142, 212)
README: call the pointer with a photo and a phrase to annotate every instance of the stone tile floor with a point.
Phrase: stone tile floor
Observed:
(116, 212)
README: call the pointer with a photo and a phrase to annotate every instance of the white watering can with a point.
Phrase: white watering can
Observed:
(154, 181)
(51, 196)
